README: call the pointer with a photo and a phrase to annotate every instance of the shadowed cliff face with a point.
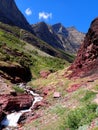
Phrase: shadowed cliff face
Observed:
(67, 39)
(10, 14)
(86, 62)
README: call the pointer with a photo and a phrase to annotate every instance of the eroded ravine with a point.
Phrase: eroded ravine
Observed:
(11, 120)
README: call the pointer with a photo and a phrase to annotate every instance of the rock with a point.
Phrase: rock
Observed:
(24, 116)
(10, 14)
(86, 62)
(42, 103)
(16, 73)
(67, 39)
(9, 103)
(56, 95)
(44, 73)
(74, 87)
(45, 92)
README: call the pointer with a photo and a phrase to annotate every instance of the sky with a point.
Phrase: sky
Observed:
(78, 13)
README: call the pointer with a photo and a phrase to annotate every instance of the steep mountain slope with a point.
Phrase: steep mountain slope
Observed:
(67, 39)
(70, 38)
(45, 32)
(23, 56)
(86, 62)
(10, 14)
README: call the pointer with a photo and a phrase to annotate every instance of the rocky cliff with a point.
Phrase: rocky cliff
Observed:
(14, 102)
(10, 14)
(67, 39)
(70, 38)
(86, 62)
(46, 33)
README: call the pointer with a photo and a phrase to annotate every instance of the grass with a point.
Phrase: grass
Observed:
(15, 48)
(80, 116)
(18, 89)
(89, 95)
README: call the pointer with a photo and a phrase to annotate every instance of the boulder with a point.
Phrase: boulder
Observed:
(44, 73)
(56, 94)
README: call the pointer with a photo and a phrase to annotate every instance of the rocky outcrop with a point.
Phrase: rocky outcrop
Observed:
(70, 38)
(67, 39)
(86, 62)
(15, 73)
(14, 102)
(44, 73)
(10, 14)
(45, 33)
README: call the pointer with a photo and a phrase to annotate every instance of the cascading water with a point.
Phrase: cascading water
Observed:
(12, 119)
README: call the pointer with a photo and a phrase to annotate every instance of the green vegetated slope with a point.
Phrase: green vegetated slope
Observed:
(75, 109)
(21, 47)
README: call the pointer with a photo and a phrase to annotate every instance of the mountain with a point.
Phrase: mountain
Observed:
(86, 62)
(67, 39)
(46, 33)
(10, 14)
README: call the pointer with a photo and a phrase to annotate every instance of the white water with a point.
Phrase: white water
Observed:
(12, 119)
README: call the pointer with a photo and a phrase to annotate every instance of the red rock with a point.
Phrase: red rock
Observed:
(10, 103)
(86, 62)
(74, 87)
(45, 92)
(42, 103)
(44, 73)
(56, 95)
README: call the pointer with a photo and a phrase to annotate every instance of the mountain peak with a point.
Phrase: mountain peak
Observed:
(58, 24)
(10, 14)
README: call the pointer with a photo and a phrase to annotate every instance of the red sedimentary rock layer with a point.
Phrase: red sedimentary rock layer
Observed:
(86, 62)
(14, 102)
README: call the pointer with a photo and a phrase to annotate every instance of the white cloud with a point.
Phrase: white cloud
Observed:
(28, 11)
(45, 15)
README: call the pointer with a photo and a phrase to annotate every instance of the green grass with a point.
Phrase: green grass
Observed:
(12, 49)
(18, 89)
(88, 96)
(79, 117)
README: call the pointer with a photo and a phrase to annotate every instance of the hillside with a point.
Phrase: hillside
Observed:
(10, 14)
(71, 94)
(20, 49)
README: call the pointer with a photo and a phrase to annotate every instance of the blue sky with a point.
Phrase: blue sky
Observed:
(78, 13)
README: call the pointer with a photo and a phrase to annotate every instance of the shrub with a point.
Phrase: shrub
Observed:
(88, 96)
(79, 117)
(18, 89)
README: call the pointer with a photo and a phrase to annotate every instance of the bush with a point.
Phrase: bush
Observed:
(18, 89)
(79, 117)
(88, 96)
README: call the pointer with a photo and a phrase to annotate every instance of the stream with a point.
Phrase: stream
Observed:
(12, 119)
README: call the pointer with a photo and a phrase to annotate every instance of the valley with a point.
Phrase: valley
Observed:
(48, 74)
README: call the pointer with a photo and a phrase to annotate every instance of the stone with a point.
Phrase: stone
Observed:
(73, 87)
(44, 73)
(56, 95)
